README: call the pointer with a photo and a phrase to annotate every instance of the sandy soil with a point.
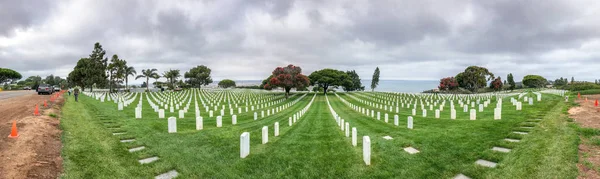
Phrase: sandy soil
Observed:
(588, 116)
(36, 152)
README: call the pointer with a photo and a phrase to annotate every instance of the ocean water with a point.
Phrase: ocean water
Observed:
(409, 86)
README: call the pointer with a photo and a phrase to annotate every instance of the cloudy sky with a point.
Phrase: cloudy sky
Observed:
(247, 39)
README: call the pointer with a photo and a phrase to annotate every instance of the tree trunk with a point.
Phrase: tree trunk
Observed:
(126, 81)
(287, 92)
(325, 89)
(147, 86)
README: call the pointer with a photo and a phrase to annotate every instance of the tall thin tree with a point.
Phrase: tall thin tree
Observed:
(375, 79)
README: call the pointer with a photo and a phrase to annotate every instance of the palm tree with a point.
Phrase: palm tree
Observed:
(148, 73)
(172, 76)
(129, 71)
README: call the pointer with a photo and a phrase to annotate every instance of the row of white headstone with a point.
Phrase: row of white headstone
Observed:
(245, 137)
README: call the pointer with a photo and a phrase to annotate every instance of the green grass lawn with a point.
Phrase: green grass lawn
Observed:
(315, 147)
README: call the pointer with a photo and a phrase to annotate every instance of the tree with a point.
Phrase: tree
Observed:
(147, 73)
(226, 83)
(287, 78)
(198, 76)
(172, 76)
(474, 77)
(265, 83)
(572, 80)
(116, 70)
(144, 85)
(375, 79)
(326, 78)
(511, 81)
(561, 82)
(496, 84)
(448, 83)
(128, 71)
(9, 75)
(356, 84)
(49, 80)
(534, 81)
(90, 71)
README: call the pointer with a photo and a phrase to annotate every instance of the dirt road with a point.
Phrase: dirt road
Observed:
(588, 116)
(36, 152)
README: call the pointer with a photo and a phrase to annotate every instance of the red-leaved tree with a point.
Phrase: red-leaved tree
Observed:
(497, 84)
(448, 83)
(287, 78)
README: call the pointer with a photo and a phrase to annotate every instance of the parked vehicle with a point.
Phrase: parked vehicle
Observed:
(45, 89)
(56, 88)
(27, 88)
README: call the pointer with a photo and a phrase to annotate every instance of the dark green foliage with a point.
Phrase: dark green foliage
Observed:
(326, 78)
(172, 76)
(198, 76)
(356, 84)
(226, 83)
(534, 81)
(511, 81)
(474, 77)
(90, 71)
(9, 75)
(375, 79)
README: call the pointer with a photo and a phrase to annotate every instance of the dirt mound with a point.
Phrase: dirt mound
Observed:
(588, 116)
(36, 152)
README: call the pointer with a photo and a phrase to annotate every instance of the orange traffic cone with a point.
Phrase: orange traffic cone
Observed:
(586, 99)
(36, 111)
(596, 104)
(578, 95)
(13, 132)
(45, 104)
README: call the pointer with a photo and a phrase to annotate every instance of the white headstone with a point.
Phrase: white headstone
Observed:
(181, 115)
(437, 113)
(424, 113)
(172, 124)
(354, 136)
(386, 117)
(473, 115)
(219, 121)
(255, 116)
(396, 120)
(480, 107)
(210, 113)
(265, 135)
(410, 122)
(452, 114)
(161, 113)
(234, 119)
(276, 129)
(244, 145)
(367, 150)
(120, 106)
(199, 123)
(497, 113)
(347, 131)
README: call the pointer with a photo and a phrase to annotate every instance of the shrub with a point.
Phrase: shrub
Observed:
(580, 86)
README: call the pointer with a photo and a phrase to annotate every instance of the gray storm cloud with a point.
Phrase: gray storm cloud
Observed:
(243, 40)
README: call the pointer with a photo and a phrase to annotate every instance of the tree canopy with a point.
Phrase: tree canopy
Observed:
(9, 75)
(511, 81)
(198, 76)
(474, 77)
(226, 83)
(287, 78)
(90, 71)
(375, 79)
(356, 85)
(448, 83)
(326, 78)
(534, 81)
(172, 76)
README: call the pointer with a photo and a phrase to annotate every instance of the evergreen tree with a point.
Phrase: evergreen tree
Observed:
(375, 79)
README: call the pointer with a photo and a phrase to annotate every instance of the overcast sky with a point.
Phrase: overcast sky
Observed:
(247, 39)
